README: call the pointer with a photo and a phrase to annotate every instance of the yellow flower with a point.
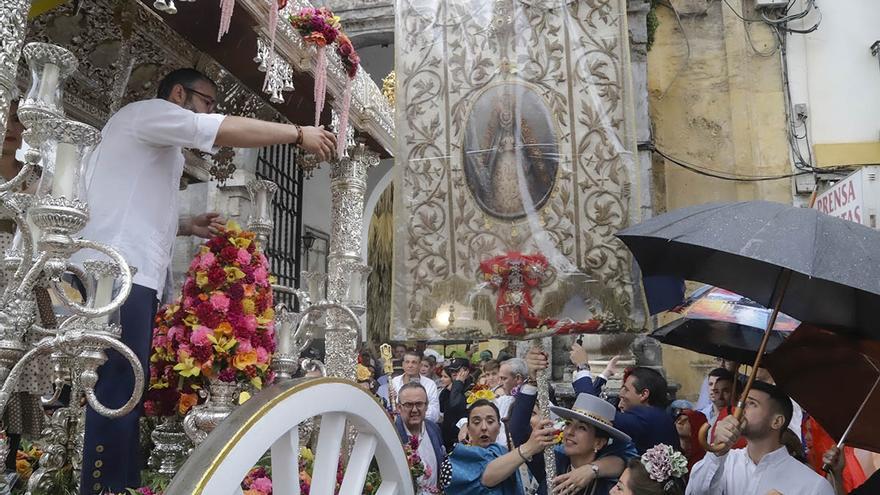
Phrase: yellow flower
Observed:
(478, 395)
(232, 226)
(306, 454)
(188, 367)
(222, 344)
(241, 242)
(233, 274)
(266, 317)
(159, 385)
(201, 279)
(244, 359)
(248, 306)
(191, 321)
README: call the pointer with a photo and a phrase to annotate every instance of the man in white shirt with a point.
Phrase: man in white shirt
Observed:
(132, 181)
(764, 465)
(720, 390)
(412, 362)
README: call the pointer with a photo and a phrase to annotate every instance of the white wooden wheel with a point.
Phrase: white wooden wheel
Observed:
(270, 420)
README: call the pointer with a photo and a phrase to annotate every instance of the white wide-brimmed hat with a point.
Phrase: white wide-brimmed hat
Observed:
(594, 411)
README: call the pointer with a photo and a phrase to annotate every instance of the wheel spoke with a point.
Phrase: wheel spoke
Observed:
(388, 488)
(359, 464)
(327, 454)
(285, 463)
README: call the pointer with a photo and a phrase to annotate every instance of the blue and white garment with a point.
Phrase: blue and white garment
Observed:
(463, 469)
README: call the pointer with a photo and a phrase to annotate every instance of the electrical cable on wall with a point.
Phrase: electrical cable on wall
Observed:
(717, 174)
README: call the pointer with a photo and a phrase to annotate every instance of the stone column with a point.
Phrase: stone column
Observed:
(13, 27)
(348, 184)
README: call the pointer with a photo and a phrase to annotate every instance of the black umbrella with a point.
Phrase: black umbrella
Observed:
(746, 247)
(723, 324)
(814, 267)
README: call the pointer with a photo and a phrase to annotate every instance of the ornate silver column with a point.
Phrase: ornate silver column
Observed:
(348, 184)
(13, 27)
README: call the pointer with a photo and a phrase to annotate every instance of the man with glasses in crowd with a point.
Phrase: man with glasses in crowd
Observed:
(412, 406)
(132, 182)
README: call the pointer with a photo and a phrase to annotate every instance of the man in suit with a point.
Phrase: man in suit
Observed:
(412, 406)
(642, 413)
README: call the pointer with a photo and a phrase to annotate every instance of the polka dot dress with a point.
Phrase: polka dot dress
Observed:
(445, 474)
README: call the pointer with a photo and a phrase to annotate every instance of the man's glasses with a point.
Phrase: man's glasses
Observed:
(413, 405)
(209, 100)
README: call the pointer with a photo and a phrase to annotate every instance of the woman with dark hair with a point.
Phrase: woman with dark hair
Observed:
(484, 467)
(660, 470)
(453, 403)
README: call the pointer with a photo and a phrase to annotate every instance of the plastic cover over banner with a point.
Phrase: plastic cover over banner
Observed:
(514, 168)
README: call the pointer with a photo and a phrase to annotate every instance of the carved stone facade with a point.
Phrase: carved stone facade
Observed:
(576, 63)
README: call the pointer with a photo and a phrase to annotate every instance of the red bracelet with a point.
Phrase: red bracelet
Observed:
(299, 135)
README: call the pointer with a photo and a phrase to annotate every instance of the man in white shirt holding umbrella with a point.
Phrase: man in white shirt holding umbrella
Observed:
(764, 466)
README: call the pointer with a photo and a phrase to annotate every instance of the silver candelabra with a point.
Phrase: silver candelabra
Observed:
(49, 213)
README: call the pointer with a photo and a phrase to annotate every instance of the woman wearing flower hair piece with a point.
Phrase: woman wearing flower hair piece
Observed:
(660, 471)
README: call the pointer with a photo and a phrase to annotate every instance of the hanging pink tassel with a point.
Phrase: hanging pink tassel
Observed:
(273, 23)
(226, 7)
(343, 119)
(320, 83)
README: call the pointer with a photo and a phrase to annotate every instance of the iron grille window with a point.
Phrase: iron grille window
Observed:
(278, 164)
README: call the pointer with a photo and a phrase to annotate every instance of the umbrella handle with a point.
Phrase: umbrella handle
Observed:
(703, 435)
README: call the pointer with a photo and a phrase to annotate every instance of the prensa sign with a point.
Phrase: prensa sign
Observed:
(855, 198)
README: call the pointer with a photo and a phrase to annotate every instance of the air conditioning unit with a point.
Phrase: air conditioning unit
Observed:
(770, 4)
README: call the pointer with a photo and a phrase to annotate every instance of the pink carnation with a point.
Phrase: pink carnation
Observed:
(219, 301)
(262, 355)
(200, 336)
(244, 346)
(262, 485)
(244, 257)
(206, 260)
(261, 276)
(175, 333)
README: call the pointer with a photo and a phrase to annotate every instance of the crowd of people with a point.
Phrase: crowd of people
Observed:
(478, 429)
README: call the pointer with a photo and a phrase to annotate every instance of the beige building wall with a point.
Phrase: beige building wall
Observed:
(721, 108)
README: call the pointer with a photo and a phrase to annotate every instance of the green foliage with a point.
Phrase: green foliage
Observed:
(652, 23)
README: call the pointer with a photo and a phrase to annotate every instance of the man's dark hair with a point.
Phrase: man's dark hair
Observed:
(653, 381)
(722, 374)
(184, 77)
(409, 385)
(779, 402)
(410, 352)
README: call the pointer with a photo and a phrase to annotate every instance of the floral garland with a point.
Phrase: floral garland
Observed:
(479, 392)
(663, 463)
(319, 27)
(559, 430)
(421, 473)
(257, 482)
(222, 328)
